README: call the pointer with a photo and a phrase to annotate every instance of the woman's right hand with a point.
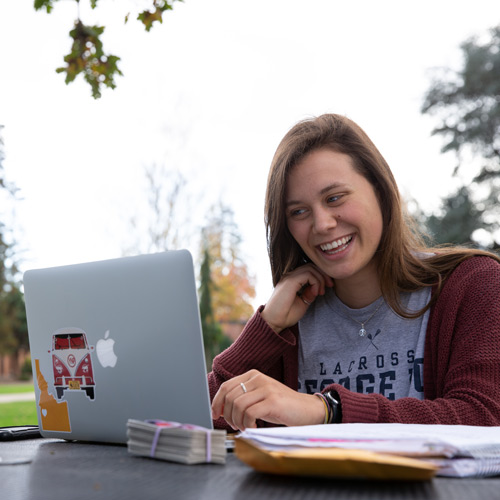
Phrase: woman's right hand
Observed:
(244, 399)
(294, 293)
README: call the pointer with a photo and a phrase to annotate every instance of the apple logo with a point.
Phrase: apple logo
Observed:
(105, 352)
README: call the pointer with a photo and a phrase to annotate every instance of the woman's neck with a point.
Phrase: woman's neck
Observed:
(358, 292)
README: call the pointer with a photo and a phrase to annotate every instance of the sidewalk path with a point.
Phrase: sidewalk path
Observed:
(14, 398)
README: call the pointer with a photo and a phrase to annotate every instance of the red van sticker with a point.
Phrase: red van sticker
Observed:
(72, 362)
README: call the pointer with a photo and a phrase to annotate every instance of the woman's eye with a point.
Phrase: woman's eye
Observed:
(297, 212)
(334, 198)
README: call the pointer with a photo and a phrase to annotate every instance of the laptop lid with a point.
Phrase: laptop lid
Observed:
(114, 340)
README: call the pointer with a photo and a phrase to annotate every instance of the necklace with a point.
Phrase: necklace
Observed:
(362, 331)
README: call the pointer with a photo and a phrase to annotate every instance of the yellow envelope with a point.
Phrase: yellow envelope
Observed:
(333, 462)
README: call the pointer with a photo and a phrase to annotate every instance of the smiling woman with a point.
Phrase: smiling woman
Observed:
(366, 323)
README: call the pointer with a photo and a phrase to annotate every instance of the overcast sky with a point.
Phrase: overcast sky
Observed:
(211, 92)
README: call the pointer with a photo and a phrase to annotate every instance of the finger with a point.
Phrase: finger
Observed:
(235, 406)
(246, 409)
(315, 286)
(241, 416)
(309, 294)
(262, 409)
(252, 389)
(218, 403)
(325, 278)
(270, 402)
(220, 399)
(222, 396)
(306, 302)
(311, 276)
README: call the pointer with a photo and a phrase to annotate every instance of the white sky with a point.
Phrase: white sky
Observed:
(211, 92)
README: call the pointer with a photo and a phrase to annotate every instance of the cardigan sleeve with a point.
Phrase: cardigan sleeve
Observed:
(461, 359)
(258, 347)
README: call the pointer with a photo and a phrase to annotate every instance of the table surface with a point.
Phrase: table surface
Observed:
(55, 469)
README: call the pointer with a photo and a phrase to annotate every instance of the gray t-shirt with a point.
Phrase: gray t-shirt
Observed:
(387, 360)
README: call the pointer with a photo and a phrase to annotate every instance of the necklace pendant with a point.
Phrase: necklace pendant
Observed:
(362, 331)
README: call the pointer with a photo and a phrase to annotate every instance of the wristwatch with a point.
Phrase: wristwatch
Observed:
(333, 401)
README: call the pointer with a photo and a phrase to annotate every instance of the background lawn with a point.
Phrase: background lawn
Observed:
(19, 413)
(16, 387)
(22, 413)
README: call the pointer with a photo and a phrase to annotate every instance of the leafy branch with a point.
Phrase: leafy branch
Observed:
(87, 55)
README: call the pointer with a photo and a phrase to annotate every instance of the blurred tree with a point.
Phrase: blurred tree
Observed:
(213, 337)
(226, 287)
(4, 247)
(233, 286)
(467, 105)
(164, 224)
(459, 219)
(7, 334)
(87, 55)
(13, 328)
(2, 156)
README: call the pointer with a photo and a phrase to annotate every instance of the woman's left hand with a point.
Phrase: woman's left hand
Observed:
(246, 398)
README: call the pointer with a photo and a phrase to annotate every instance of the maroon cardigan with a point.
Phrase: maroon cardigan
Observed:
(461, 358)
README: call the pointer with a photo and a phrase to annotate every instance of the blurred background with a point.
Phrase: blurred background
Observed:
(176, 155)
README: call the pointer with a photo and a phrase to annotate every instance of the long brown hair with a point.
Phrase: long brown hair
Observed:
(401, 266)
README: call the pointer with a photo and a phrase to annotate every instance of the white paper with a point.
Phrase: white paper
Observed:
(456, 440)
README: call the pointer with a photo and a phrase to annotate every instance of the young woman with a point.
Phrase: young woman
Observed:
(365, 324)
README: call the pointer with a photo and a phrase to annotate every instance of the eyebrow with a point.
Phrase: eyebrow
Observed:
(323, 191)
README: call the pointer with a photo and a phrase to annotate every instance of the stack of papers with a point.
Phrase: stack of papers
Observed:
(183, 443)
(455, 450)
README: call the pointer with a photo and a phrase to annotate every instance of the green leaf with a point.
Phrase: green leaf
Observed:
(87, 57)
(40, 4)
(148, 17)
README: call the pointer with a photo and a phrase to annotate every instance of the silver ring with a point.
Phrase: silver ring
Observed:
(243, 387)
(306, 301)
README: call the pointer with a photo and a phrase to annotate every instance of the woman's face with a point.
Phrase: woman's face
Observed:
(334, 215)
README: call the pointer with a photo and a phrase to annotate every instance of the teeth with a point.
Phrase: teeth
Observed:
(335, 244)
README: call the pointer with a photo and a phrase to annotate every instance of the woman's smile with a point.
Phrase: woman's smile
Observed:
(336, 246)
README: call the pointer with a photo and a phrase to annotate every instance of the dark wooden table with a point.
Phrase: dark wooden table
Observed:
(56, 470)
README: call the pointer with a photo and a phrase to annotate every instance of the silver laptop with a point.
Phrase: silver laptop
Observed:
(114, 340)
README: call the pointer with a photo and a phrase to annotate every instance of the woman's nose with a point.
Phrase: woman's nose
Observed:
(324, 220)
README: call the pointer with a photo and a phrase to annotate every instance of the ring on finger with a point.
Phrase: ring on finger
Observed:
(306, 301)
(243, 387)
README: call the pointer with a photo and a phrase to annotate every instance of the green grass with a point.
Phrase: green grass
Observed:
(16, 387)
(22, 413)
(19, 413)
